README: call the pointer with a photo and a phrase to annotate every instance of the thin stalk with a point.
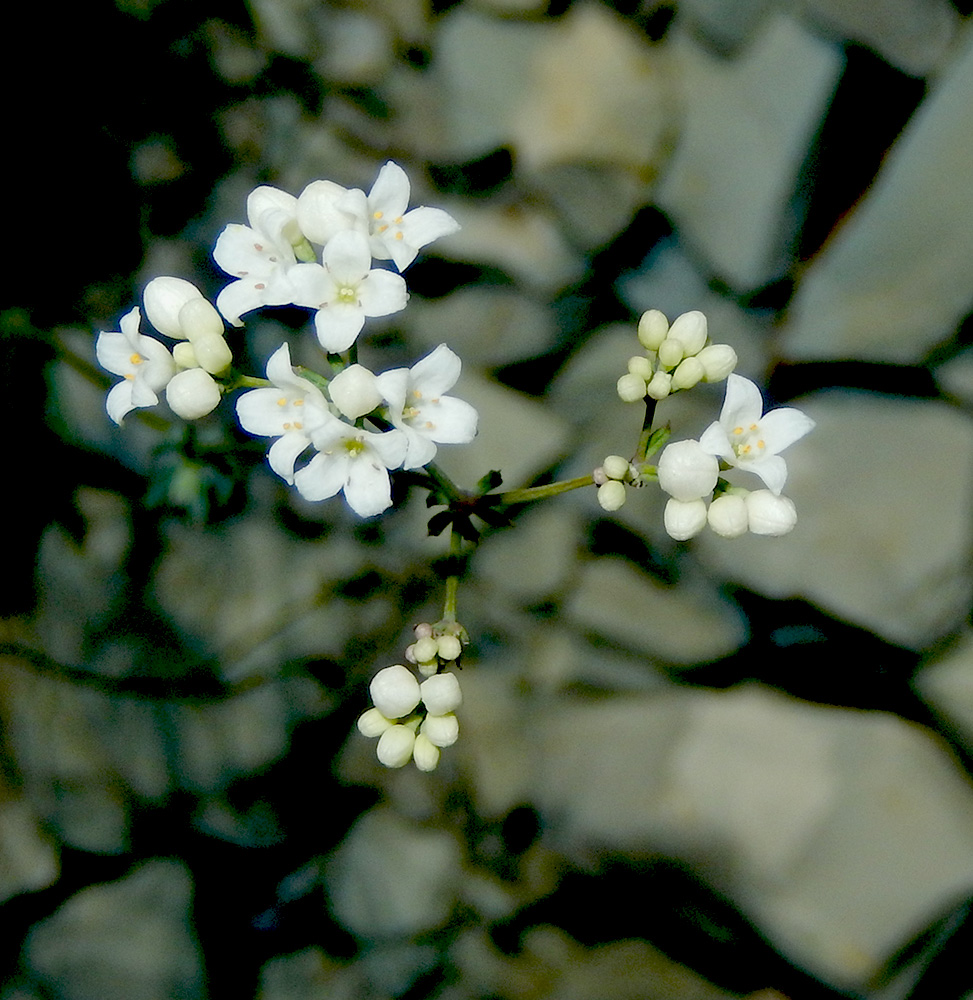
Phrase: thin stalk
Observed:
(532, 493)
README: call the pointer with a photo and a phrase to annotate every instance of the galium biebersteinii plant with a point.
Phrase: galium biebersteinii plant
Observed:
(347, 430)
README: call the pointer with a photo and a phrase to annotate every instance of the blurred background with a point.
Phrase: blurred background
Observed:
(685, 771)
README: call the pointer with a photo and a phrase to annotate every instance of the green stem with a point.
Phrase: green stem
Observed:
(452, 582)
(646, 430)
(445, 484)
(532, 493)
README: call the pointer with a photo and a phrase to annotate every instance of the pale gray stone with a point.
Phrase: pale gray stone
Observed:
(747, 125)
(897, 277)
(686, 623)
(883, 488)
(123, 940)
(392, 878)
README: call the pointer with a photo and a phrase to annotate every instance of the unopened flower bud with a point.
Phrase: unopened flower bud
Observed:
(686, 472)
(660, 386)
(354, 391)
(429, 668)
(184, 355)
(684, 519)
(373, 723)
(441, 694)
(631, 388)
(395, 691)
(163, 298)
(728, 516)
(616, 467)
(612, 495)
(688, 372)
(653, 327)
(443, 730)
(425, 753)
(423, 630)
(449, 647)
(718, 361)
(192, 393)
(395, 746)
(270, 209)
(599, 476)
(690, 330)
(199, 320)
(426, 649)
(212, 353)
(770, 514)
(671, 352)
(640, 365)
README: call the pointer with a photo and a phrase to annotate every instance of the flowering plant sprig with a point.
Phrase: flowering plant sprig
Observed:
(345, 429)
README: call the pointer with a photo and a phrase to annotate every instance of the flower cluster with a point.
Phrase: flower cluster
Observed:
(744, 438)
(177, 309)
(273, 261)
(676, 357)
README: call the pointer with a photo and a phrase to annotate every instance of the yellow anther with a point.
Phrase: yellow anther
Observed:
(761, 444)
(382, 229)
(398, 220)
(377, 215)
(398, 235)
(298, 426)
(298, 402)
(282, 401)
(737, 430)
(430, 425)
(417, 393)
(130, 377)
(753, 427)
(287, 426)
(136, 359)
(436, 400)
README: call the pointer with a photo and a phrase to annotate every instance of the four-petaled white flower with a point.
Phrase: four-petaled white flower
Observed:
(419, 406)
(345, 290)
(747, 438)
(145, 364)
(289, 411)
(353, 461)
(260, 255)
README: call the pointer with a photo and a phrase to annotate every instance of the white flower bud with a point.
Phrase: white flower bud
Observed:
(616, 467)
(653, 327)
(354, 391)
(718, 361)
(630, 388)
(640, 365)
(599, 476)
(671, 352)
(770, 514)
(449, 647)
(395, 746)
(660, 386)
(395, 691)
(688, 372)
(443, 730)
(212, 353)
(684, 519)
(184, 355)
(268, 204)
(199, 320)
(612, 495)
(426, 649)
(441, 694)
(727, 516)
(686, 472)
(163, 298)
(373, 723)
(690, 330)
(423, 630)
(428, 668)
(425, 753)
(192, 393)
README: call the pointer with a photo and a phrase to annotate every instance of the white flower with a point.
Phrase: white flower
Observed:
(770, 514)
(192, 393)
(687, 471)
(178, 309)
(326, 209)
(145, 364)
(290, 412)
(345, 290)
(746, 439)
(260, 255)
(420, 408)
(397, 234)
(352, 461)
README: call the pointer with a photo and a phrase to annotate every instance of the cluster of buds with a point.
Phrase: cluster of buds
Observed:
(610, 477)
(676, 357)
(414, 720)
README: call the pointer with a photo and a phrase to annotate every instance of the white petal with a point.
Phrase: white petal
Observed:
(390, 447)
(420, 450)
(716, 441)
(453, 421)
(338, 325)
(742, 404)
(284, 453)
(368, 490)
(347, 258)
(437, 372)
(393, 385)
(323, 477)
(382, 293)
(782, 427)
(163, 298)
(323, 211)
(390, 192)
(772, 469)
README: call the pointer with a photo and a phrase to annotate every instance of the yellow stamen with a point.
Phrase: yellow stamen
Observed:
(136, 359)
(282, 401)
(737, 430)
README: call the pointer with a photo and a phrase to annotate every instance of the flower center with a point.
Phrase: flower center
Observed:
(354, 446)
(347, 294)
(747, 442)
